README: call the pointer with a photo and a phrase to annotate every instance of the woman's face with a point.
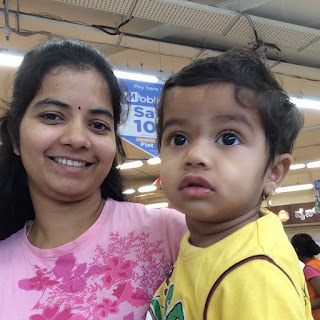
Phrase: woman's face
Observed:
(67, 138)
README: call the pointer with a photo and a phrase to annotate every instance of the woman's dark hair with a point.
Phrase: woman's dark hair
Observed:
(15, 202)
(305, 246)
(244, 68)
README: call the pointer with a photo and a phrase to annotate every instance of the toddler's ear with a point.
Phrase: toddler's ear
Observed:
(277, 172)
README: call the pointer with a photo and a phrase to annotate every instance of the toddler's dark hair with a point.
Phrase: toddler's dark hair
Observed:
(281, 120)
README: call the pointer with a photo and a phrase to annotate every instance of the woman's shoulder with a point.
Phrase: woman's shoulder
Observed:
(141, 209)
(136, 214)
(10, 245)
(165, 225)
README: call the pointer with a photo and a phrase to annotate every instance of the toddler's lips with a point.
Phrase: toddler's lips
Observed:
(195, 186)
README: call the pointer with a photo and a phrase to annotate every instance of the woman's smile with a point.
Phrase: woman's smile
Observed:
(69, 162)
(67, 151)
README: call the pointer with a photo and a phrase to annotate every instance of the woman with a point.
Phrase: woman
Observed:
(74, 249)
(306, 250)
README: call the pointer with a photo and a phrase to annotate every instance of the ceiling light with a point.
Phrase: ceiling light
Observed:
(297, 166)
(314, 164)
(306, 103)
(135, 76)
(129, 191)
(14, 60)
(130, 165)
(147, 189)
(155, 160)
(10, 60)
(298, 187)
(158, 205)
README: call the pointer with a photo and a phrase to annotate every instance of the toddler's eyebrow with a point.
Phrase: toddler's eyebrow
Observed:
(172, 122)
(58, 103)
(221, 118)
(235, 117)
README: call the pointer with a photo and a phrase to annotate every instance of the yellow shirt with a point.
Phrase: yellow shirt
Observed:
(269, 286)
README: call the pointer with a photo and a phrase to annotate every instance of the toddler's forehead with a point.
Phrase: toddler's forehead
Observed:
(244, 96)
(214, 102)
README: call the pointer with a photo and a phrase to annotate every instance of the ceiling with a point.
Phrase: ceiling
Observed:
(165, 35)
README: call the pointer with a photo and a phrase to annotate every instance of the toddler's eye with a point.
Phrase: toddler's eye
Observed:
(229, 139)
(178, 140)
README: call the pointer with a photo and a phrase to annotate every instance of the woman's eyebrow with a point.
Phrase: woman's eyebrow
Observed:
(51, 101)
(102, 111)
(58, 103)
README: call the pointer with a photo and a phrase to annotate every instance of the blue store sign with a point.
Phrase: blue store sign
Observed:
(140, 128)
(317, 185)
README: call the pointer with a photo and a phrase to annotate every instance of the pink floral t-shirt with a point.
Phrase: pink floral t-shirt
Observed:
(109, 272)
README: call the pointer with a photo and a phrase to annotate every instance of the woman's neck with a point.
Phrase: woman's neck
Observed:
(57, 223)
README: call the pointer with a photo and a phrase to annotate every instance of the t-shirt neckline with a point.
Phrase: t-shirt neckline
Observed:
(75, 245)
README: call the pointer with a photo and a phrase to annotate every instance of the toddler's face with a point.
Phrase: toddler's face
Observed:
(213, 154)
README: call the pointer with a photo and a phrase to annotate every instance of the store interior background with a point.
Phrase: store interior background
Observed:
(161, 36)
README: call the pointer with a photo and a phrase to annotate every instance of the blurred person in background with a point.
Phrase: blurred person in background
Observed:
(307, 249)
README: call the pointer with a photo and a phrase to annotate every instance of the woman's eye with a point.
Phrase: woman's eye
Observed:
(51, 117)
(99, 126)
(178, 140)
(229, 139)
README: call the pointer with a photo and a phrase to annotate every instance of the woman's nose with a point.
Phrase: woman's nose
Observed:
(76, 135)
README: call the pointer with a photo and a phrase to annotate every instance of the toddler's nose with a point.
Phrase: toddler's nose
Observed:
(197, 155)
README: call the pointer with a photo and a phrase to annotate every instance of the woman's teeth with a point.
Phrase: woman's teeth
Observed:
(70, 162)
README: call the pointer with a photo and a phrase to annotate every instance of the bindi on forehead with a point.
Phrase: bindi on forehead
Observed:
(197, 132)
(79, 108)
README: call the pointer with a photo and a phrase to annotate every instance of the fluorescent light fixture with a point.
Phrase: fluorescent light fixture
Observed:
(306, 103)
(298, 187)
(129, 191)
(14, 60)
(135, 76)
(10, 60)
(153, 161)
(314, 164)
(158, 205)
(297, 166)
(147, 189)
(131, 165)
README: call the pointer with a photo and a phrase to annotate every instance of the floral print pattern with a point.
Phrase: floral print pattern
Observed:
(97, 289)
